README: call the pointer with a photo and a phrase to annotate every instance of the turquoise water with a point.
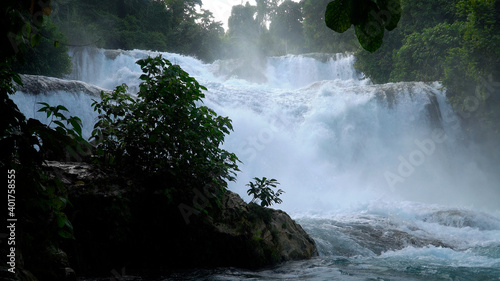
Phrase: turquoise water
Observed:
(407, 241)
(340, 268)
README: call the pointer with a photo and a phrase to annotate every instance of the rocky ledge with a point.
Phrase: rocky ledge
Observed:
(36, 84)
(119, 225)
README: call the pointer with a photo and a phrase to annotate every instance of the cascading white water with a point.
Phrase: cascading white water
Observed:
(331, 138)
(348, 154)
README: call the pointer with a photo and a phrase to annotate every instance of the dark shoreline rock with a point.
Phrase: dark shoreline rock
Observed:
(118, 225)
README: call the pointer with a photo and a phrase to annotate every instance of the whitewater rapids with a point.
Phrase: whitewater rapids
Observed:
(379, 175)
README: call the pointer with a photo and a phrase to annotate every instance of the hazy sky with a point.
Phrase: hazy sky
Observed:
(222, 8)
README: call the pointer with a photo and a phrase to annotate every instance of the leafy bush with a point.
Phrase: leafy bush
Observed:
(261, 190)
(163, 133)
(50, 57)
(421, 58)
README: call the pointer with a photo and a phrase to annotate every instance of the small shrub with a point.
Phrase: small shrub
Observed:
(163, 133)
(261, 190)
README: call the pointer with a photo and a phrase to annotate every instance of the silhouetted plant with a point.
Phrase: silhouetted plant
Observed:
(164, 133)
(370, 19)
(261, 190)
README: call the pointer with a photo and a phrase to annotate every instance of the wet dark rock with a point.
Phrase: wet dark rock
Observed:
(35, 84)
(464, 218)
(268, 228)
(381, 239)
(124, 223)
(366, 236)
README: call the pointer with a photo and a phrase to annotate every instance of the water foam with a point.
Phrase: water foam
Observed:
(356, 160)
(330, 137)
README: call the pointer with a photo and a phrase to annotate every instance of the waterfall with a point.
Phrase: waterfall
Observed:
(380, 172)
(331, 138)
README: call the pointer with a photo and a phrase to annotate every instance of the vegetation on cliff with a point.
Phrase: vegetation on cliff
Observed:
(168, 25)
(26, 144)
(456, 42)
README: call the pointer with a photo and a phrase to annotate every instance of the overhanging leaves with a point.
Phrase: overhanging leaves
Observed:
(369, 17)
(392, 10)
(338, 15)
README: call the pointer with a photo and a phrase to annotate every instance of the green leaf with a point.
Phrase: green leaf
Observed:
(65, 234)
(65, 201)
(369, 41)
(17, 78)
(68, 224)
(338, 15)
(26, 28)
(60, 124)
(61, 221)
(360, 10)
(392, 10)
(35, 39)
(370, 31)
(77, 125)
(62, 107)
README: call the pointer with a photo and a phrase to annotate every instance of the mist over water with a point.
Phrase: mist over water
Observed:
(329, 136)
(352, 157)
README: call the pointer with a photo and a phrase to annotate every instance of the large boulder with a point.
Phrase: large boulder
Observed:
(124, 223)
(273, 235)
(36, 84)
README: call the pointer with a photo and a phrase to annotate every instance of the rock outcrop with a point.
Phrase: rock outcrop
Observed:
(121, 223)
(36, 84)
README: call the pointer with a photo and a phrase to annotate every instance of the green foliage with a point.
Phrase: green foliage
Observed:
(243, 33)
(261, 190)
(50, 57)
(166, 25)
(71, 132)
(415, 17)
(286, 26)
(370, 19)
(419, 15)
(24, 25)
(163, 132)
(422, 56)
(379, 64)
(472, 69)
(456, 42)
(318, 37)
(19, 25)
(26, 144)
